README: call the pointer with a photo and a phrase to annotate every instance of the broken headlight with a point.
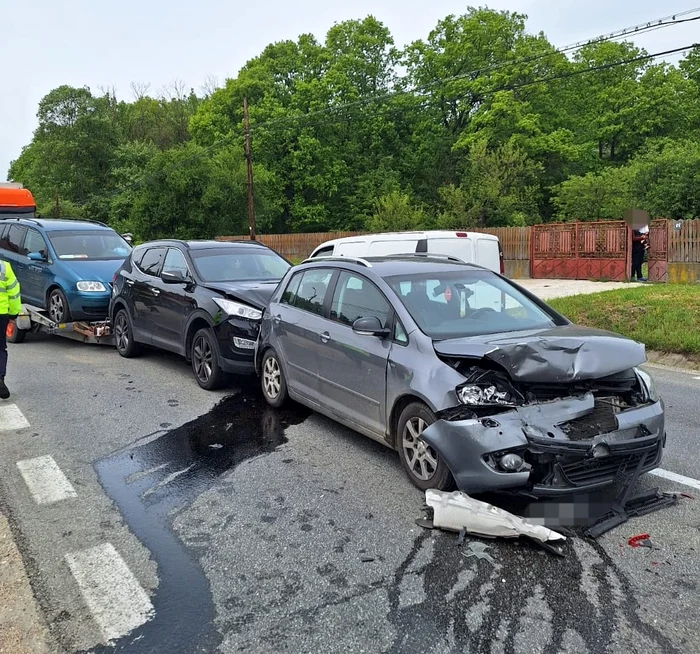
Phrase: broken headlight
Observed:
(484, 395)
(648, 385)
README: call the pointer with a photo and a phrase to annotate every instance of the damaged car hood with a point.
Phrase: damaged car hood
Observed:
(256, 293)
(560, 354)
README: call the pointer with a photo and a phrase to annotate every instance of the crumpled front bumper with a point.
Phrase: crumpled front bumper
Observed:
(556, 464)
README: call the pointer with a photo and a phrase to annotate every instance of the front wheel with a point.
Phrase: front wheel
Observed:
(124, 335)
(205, 361)
(274, 386)
(423, 465)
(57, 306)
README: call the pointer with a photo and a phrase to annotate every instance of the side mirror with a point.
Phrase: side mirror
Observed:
(36, 256)
(371, 326)
(173, 277)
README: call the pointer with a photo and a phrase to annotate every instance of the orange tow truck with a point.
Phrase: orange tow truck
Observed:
(15, 200)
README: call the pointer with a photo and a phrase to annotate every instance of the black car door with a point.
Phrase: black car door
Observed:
(175, 303)
(145, 291)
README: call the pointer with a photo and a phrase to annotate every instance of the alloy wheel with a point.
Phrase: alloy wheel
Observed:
(420, 457)
(272, 378)
(56, 307)
(121, 332)
(202, 357)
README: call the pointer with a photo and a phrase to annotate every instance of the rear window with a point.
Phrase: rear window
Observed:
(98, 245)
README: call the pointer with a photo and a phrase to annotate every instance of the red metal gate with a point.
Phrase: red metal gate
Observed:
(597, 250)
(658, 251)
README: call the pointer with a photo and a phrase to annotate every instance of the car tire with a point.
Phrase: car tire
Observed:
(205, 361)
(13, 334)
(57, 306)
(274, 386)
(424, 467)
(124, 335)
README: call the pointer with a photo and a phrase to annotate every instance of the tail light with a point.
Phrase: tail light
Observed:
(114, 279)
(461, 234)
(500, 256)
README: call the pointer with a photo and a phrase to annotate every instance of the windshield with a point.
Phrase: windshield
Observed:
(100, 245)
(469, 303)
(233, 265)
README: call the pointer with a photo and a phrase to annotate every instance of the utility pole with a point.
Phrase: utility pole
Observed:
(249, 164)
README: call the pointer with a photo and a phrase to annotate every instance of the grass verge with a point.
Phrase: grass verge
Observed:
(665, 317)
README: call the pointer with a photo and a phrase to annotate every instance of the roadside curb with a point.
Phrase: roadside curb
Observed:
(22, 630)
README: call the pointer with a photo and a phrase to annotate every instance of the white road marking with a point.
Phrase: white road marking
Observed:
(696, 377)
(11, 418)
(45, 480)
(115, 598)
(680, 479)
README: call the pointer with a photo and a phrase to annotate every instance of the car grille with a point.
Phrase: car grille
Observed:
(601, 420)
(591, 471)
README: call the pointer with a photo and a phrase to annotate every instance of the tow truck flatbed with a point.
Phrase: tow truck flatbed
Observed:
(34, 319)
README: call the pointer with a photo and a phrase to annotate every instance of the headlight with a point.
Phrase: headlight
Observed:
(648, 385)
(474, 395)
(238, 309)
(91, 287)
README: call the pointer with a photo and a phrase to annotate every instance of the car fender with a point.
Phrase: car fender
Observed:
(197, 314)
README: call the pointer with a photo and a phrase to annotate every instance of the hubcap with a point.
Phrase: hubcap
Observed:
(56, 307)
(202, 359)
(272, 378)
(121, 332)
(421, 458)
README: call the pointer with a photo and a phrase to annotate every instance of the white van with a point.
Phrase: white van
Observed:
(471, 247)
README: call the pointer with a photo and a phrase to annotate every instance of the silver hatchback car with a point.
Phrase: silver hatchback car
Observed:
(473, 380)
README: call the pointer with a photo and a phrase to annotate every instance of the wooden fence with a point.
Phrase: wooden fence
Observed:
(683, 246)
(514, 240)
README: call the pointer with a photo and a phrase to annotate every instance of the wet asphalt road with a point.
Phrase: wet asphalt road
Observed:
(254, 530)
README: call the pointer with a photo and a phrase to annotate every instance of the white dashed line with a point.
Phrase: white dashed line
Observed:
(115, 598)
(45, 480)
(11, 418)
(679, 479)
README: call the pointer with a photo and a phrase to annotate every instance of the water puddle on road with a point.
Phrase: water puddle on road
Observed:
(165, 471)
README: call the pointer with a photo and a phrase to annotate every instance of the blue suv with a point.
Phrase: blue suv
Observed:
(63, 266)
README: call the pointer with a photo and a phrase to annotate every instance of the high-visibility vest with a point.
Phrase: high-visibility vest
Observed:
(10, 303)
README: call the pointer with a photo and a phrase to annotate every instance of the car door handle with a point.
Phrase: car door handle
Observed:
(155, 291)
(277, 319)
(325, 337)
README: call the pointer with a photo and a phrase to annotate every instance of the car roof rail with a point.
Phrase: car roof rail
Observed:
(169, 240)
(426, 255)
(31, 220)
(362, 262)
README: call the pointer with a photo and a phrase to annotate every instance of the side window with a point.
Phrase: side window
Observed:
(400, 335)
(4, 231)
(312, 290)
(152, 261)
(325, 252)
(15, 238)
(290, 292)
(35, 243)
(356, 297)
(175, 262)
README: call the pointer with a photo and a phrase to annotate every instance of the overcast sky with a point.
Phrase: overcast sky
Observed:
(109, 43)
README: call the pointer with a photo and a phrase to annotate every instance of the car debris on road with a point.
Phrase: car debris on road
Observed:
(457, 511)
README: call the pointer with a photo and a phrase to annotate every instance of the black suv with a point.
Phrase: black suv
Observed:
(200, 299)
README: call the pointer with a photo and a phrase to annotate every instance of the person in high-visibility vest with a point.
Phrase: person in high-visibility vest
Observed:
(10, 306)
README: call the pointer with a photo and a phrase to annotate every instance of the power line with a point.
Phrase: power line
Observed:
(641, 28)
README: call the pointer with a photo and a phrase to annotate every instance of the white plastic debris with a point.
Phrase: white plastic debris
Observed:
(457, 511)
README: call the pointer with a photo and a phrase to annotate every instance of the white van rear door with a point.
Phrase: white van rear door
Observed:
(487, 254)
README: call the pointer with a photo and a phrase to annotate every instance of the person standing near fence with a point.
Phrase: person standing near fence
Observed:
(639, 240)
